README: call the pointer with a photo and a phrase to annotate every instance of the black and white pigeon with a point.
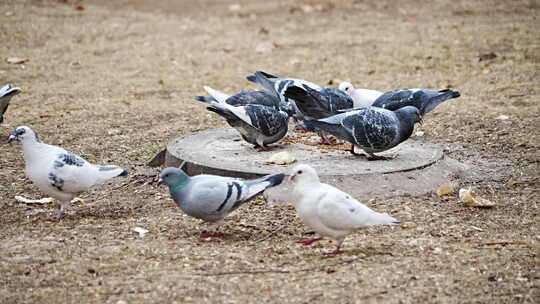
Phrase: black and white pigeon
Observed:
(245, 97)
(259, 125)
(319, 104)
(6, 93)
(424, 100)
(279, 85)
(210, 197)
(370, 128)
(57, 172)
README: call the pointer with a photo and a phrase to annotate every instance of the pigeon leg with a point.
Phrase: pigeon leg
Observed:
(262, 148)
(300, 129)
(308, 242)
(59, 214)
(213, 234)
(328, 140)
(337, 251)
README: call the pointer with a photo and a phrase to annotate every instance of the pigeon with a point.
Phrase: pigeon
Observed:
(242, 98)
(329, 211)
(370, 128)
(315, 104)
(58, 172)
(361, 97)
(259, 125)
(423, 100)
(319, 104)
(6, 92)
(279, 85)
(211, 197)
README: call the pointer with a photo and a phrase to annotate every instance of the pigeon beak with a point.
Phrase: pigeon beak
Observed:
(160, 181)
(12, 137)
(291, 177)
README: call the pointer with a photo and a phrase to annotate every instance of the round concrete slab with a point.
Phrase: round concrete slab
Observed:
(416, 167)
(223, 150)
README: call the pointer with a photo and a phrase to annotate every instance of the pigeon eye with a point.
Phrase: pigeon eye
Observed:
(300, 172)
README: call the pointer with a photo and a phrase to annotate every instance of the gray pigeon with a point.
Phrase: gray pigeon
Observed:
(424, 100)
(257, 124)
(57, 172)
(211, 197)
(370, 128)
(6, 92)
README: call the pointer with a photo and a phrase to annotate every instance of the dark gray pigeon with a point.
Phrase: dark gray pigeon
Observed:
(278, 86)
(210, 197)
(370, 128)
(6, 92)
(319, 104)
(57, 172)
(242, 98)
(424, 100)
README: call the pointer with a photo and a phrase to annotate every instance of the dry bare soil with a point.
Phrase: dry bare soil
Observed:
(114, 82)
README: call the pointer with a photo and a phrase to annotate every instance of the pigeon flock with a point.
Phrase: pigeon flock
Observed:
(370, 120)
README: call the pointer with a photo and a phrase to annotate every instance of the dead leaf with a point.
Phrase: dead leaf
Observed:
(141, 231)
(445, 190)
(79, 8)
(17, 60)
(281, 158)
(470, 199)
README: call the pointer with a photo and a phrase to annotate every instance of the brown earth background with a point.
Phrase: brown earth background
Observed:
(113, 81)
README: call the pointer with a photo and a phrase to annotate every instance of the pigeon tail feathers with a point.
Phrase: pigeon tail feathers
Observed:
(256, 186)
(205, 99)
(377, 218)
(433, 102)
(218, 95)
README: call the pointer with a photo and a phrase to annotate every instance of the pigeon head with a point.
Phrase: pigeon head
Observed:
(22, 133)
(8, 91)
(173, 177)
(410, 113)
(303, 174)
(346, 87)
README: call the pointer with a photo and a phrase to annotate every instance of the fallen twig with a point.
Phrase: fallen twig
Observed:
(270, 234)
(259, 271)
(504, 243)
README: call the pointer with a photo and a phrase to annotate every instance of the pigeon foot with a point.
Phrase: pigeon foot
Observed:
(308, 242)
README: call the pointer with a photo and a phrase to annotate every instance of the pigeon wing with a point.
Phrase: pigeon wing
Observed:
(371, 127)
(267, 120)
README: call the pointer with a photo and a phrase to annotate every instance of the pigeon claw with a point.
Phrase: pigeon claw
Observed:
(54, 218)
(308, 242)
(335, 252)
(330, 141)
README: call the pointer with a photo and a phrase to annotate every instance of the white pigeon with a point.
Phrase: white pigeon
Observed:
(361, 97)
(329, 211)
(57, 172)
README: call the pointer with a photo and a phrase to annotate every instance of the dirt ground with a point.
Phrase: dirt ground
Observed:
(114, 82)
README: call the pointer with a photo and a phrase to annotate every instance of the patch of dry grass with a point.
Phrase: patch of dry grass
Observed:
(114, 84)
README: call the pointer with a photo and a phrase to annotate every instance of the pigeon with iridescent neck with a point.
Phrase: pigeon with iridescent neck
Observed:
(58, 172)
(211, 197)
